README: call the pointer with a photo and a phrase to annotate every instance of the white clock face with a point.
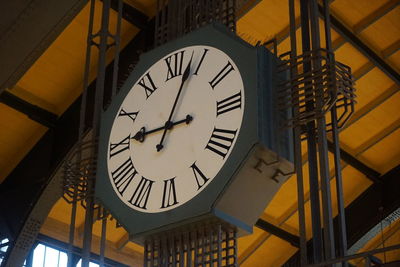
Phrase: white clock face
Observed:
(165, 147)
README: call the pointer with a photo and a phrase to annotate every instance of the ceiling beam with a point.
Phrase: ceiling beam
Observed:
(362, 47)
(20, 43)
(36, 113)
(279, 232)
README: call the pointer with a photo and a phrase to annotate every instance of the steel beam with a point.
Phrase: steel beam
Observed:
(368, 209)
(36, 113)
(369, 172)
(279, 232)
(363, 48)
(131, 14)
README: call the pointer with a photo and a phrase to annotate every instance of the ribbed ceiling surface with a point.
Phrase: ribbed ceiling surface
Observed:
(372, 135)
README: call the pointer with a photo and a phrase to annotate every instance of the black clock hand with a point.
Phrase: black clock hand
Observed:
(140, 135)
(168, 123)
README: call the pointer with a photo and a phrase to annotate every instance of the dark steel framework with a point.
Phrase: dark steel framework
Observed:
(212, 244)
(318, 86)
(80, 168)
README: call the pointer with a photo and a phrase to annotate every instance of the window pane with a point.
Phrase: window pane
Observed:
(51, 257)
(91, 264)
(63, 259)
(38, 256)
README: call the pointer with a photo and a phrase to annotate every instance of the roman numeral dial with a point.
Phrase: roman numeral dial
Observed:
(174, 130)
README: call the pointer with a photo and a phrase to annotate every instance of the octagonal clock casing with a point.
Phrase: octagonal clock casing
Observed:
(241, 174)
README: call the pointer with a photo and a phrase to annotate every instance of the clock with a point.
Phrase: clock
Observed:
(175, 129)
(193, 135)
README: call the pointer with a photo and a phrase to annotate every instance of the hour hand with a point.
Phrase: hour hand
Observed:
(141, 135)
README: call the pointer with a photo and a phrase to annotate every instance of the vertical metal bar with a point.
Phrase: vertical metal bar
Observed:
(329, 243)
(297, 140)
(98, 107)
(311, 142)
(72, 227)
(219, 236)
(103, 239)
(117, 39)
(335, 136)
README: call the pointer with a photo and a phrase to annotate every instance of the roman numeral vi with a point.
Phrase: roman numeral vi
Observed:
(169, 194)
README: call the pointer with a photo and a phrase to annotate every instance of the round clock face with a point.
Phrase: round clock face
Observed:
(175, 129)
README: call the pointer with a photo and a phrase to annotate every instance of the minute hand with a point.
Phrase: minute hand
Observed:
(168, 123)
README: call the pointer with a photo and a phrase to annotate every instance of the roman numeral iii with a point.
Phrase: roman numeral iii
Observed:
(229, 103)
(169, 194)
(142, 193)
(221, 75)
(221, 141)
(201, 179)
(148, 85)
(123, 175)
(116, 148)
(174, 64)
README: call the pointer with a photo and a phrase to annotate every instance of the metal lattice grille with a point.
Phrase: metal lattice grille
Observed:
(331, 83)
(178, 17)
(206, 245)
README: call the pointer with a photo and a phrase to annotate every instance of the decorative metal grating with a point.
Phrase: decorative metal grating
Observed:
(205, 245)
(177, 17)
(78, 169)
(329, 83)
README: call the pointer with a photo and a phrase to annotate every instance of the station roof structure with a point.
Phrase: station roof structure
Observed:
(42, 59)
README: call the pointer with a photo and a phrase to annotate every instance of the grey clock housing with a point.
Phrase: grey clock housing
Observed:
(257, 166)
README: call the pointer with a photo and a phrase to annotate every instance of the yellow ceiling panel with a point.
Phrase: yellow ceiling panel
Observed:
(352, 12)
(273, 253)
(249, 243)
(359, 135)
(371, 86)
(350, 56)
(17, 137)
(113, 233)
(385, 155)
(394, 60)
(273, 13)
(61, 211)
(384, 32)
(56, 77)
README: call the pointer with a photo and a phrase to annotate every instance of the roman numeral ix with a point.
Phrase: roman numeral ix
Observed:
(221, 141)
(123, 175)
(131, 115)
(201, 179)
(174, 63)
(169, 194)
(229, 103)
(148, 85)
(142, 193)
(221, 75)
(116, 148)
